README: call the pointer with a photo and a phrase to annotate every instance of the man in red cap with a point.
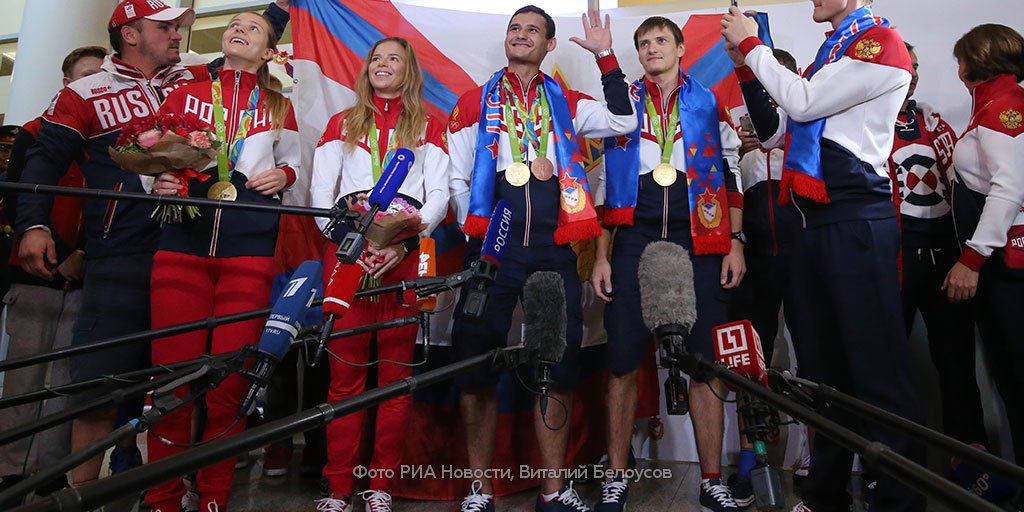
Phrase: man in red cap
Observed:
(81, 124)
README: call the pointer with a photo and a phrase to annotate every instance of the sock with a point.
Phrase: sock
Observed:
(747, 462)
(704, 477)
(548, 497)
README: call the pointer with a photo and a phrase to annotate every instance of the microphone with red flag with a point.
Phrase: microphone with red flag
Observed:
(738, 347)
(338, 296)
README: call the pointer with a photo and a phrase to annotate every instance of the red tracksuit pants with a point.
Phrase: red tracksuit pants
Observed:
(187, 288)
(344, 434)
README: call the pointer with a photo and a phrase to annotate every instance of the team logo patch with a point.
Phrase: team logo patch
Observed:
(710, 210)
(868, 49)
(574, 197)
(1011, 119)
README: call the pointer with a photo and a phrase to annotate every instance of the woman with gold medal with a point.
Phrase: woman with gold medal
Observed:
(221, 262)
(354, 149)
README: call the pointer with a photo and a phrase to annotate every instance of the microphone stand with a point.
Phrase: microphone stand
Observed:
(820, 393)
(209, 374)
(879, 455)
(102, 491)
(761, 423)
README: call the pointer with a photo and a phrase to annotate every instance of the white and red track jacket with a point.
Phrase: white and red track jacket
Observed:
(339, 173)
(988, 161)
(859, 96)
(220, 232)
(81, 124)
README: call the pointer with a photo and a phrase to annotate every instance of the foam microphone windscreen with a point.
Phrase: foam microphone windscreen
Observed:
(544, 316)
(391, 178)
(667, 296)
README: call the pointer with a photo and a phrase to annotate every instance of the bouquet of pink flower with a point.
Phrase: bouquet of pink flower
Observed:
(399, 222)
(175, 143)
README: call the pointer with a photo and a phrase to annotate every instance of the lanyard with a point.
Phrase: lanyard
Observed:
(665, 134)
(227, 155)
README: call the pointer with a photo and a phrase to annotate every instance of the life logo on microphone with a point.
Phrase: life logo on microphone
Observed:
(733, 345)
(738, 347)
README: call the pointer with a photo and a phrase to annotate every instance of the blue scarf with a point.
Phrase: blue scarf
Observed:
(698, 120)
(577, 218)
(802, 170)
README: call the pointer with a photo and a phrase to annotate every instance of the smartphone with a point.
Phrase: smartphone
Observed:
(746, 124)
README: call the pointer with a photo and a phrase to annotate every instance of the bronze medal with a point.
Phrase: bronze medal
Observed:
(542, 168)
(223, 190)
(517, 174)
(665, 175)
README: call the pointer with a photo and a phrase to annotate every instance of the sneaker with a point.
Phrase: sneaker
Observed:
(276, 459)
(476, 501)
(715, 497)
(801, 471)
(123, 459)
(566, 501)
(742, 490)
(376, 501)
(800, 507)
(190, 501)
(332, 504)
(613, 495)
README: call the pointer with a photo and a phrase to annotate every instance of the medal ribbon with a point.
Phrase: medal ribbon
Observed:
(664, 133)
(373, 142)
(227, 155)
(538, 137)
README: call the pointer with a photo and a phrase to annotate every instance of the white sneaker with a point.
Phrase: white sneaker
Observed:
(331, 504)
(800, 507)
(376, 501)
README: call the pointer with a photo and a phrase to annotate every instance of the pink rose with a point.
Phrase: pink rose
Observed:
(199, 139)
(149, 137)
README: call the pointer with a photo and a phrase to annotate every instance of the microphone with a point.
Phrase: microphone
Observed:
(281, 328)
(988, 485)
(668, 305)
(338, 296)
(544, 320)
(738, 347)
(485, 269)
(427, 268)
(383, 193)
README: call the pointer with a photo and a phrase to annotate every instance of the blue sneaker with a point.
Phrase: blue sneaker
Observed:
(476, 501)
(742, 490)
(123, 459)
(613, 495)
(716, 497)
(566, 501)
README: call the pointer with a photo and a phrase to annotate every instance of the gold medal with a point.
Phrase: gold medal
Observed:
(664, 175)
(542, 168)
(223, 190)
(517, 174)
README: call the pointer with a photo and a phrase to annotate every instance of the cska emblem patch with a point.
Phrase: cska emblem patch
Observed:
(1011, 119)
(574, 197)
(710, 210)
(868, 49)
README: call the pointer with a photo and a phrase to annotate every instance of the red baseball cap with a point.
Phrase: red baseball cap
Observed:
(130, 10)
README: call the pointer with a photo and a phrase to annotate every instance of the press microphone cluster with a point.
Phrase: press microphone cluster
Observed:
(544, 325)
(485, 269)
(668, 303)
(738, 347)
(281, 328)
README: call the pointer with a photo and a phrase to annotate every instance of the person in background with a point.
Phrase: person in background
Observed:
(221, 261)
(988, 207)
(921, 170)
(41, 313)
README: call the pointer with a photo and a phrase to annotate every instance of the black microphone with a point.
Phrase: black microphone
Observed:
(668, 304)
(281, 328)
(485, 269)
(544, 319)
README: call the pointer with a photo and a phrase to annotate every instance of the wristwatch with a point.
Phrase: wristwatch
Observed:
(604, 53)
(741, 236)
